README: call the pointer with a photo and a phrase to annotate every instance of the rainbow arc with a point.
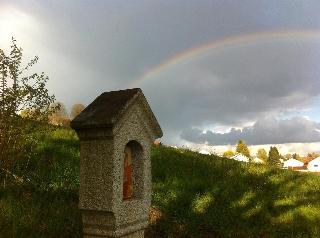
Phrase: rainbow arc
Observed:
(230, 41)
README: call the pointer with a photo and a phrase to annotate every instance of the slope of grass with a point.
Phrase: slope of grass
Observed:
(194, 195)
(46, 204)
(208, 196)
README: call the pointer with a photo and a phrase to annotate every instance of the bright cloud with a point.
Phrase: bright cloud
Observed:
(87, 48)
(264, 131)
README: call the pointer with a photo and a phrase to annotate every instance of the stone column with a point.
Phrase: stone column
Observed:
(115, 190)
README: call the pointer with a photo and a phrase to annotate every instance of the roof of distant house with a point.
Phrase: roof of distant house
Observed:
(315, 161)
(204, 152)
(257, 160)
(292, 163)
(240, 157)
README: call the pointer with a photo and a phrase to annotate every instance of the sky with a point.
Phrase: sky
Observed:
(213, 71)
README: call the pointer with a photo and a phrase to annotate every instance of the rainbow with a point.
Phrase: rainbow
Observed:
(237, 40)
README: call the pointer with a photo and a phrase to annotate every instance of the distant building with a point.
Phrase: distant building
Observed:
(314, 165)
(204, 152)
(258, 161)
(293, 164)
(240, 157)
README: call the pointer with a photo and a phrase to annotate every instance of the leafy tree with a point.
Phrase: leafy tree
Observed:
(274, 157)
(296, 156)
(242, 148)
(262, 154)
(76, 109)
(309, 157)
(313, 155)
(60, 116)
(24, 107)
(62, 111)
(288, 156)
(228, 153)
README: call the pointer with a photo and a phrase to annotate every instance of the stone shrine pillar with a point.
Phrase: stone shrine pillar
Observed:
(116, 132)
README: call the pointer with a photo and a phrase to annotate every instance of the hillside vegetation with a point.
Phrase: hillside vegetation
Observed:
(208, 196)
(194, 195)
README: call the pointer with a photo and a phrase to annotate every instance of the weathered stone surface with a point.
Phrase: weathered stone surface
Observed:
(107, 109)
(136, 234)
(103, 137)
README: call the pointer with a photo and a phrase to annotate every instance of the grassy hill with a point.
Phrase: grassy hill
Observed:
(194, 195)
(207, 196)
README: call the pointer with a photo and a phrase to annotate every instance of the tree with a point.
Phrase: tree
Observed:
(60, 116)
(309, 157)
(296, 156)
(288, 156)
(242, 148)
(313, 155)
(274, 157)
(76, 109)
(262, 154)
(24, 106)
(62, 111)
(228, 154)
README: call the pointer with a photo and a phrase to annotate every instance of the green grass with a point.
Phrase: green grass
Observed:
(47, 205)
(194, 195)
(33, 213)
(200, 195)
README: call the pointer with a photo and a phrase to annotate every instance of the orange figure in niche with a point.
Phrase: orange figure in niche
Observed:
(127, 175)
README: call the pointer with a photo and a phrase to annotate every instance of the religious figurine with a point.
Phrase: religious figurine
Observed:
(127, 175)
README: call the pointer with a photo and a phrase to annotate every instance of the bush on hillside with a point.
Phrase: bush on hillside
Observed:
(24, 110)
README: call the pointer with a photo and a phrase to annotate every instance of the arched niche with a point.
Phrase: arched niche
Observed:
(132, 171)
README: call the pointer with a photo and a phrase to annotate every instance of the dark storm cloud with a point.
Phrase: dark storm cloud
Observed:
(122, 40)
(237, 85)
(264, 131)
(98, 46)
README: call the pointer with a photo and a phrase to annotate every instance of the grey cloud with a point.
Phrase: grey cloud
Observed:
(122, 40)
(238, 84)
(105, 45)
(264, 131)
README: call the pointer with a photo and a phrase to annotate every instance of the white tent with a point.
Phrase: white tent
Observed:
(292, 163)
(314, 165)
(240, 157)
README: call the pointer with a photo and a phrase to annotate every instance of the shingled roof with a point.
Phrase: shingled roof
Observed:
(107, 109)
